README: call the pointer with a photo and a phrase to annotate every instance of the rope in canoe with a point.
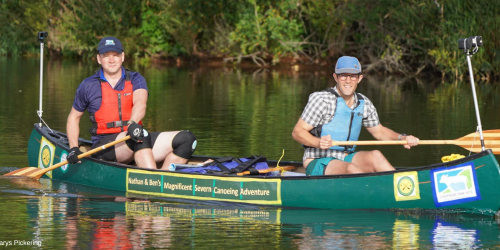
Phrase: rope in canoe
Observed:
(282, 170)
(451, 157)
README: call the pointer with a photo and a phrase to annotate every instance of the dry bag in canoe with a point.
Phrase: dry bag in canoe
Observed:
(230, 165)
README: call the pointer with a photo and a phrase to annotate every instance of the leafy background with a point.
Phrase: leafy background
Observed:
(393, 36)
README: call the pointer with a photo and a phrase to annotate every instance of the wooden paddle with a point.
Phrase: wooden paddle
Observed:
(269, 170)
(37, 173)
(470, 142)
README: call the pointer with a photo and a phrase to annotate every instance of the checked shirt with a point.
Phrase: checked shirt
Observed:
(320, 110)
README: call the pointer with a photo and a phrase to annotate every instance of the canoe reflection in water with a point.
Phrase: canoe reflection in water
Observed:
(103, 222)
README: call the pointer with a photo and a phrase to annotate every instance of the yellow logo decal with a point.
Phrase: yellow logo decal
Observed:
(46, 155)
(406, 186)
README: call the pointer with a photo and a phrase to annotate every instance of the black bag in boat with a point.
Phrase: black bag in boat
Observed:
(230, 165)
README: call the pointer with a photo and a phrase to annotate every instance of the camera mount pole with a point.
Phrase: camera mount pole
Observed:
(41, 37)
(479, 127)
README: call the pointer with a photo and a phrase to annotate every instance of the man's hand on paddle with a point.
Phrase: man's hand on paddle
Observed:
(325, 142)
(136, 132)
(72, 157)
(412, 141)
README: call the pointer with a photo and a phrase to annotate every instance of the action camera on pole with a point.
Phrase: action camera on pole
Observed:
(42, 35)
(473, 42)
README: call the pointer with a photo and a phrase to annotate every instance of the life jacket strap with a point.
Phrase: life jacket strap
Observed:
(116, 124)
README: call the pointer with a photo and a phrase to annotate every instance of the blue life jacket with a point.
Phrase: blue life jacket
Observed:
(230, 165)
(346, 123)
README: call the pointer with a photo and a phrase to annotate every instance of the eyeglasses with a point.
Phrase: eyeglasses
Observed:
(352, 77)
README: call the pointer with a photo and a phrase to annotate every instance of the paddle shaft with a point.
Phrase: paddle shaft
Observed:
(471, 142)
(421, 142)
(88, 153)
(269, 170)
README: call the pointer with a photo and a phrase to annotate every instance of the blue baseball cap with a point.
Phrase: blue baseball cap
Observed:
(348, 64)
(108, 44)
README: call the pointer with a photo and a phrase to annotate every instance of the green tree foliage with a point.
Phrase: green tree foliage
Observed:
(387, 35)
(20, 20)
(264, 29)
(193, 24)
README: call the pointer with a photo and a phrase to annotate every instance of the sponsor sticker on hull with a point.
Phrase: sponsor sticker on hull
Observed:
(247, 190)
(63, 157)
(406, 186)
(46, 155)
(455, 185)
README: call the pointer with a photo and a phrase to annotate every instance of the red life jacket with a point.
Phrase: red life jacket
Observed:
(115, 110)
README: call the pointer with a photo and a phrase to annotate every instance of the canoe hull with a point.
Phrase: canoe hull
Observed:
(470, 184)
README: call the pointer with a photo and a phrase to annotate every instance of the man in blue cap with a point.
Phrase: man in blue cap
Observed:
(337, 114)
(116, 99)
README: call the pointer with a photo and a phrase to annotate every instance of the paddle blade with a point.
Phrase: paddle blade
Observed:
(472, 141)
(489, 135)
(22, 171)
(37, 174)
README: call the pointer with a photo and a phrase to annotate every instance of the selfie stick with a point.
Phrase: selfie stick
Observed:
(41, 37)
(471, 73)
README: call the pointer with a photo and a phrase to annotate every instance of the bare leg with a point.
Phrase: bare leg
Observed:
(143, 158)
(172, 158)
(336, 167)
(372, 161)
(341, 167)
(163, 151)
(123, 153)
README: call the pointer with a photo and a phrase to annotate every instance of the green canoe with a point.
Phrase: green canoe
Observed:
(469, 185)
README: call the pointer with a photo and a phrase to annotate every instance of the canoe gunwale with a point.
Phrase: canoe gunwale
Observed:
(60, 139)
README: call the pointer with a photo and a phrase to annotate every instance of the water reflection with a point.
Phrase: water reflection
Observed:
(406, 234)
(447, 235)
(70, 216)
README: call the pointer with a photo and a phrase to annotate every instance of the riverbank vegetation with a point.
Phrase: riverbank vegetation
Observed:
(393, 36)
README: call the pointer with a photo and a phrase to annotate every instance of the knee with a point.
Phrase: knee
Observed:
(379, 162)
(184, 144)
(352, 169)
(377, 155)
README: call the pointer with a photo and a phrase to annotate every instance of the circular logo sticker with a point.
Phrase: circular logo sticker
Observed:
(64, 156)
(46, 156)
(406, 186)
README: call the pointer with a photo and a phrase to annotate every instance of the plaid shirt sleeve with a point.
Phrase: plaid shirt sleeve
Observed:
(314, 111)
(370, 118)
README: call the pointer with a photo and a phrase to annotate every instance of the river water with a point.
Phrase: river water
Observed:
(239, 113)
